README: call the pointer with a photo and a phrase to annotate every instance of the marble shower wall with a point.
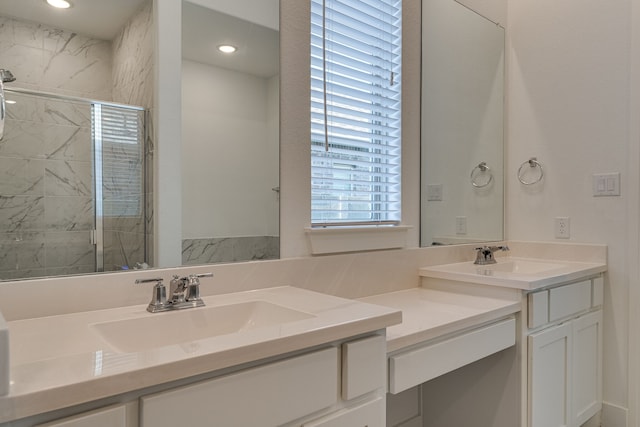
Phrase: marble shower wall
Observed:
(132, 76)
(46, 203)
(229, 249)
(47, 170)
(53, 60)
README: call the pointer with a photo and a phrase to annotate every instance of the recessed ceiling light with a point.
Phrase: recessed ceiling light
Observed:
(227, 48)
(10, 101)
(60, 4)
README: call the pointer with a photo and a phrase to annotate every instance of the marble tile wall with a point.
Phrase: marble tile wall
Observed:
(229, 249)
(54, 60)
(46, 204)
(132, 51)
(132, 74)
(45, 183)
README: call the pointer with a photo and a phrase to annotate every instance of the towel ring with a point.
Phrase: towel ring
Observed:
(533, 163)
(479, 170)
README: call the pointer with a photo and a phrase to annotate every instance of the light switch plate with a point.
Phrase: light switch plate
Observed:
(461, 225)
(606, 184)
(434, 192)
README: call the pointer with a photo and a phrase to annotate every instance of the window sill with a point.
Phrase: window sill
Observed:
(355, 239)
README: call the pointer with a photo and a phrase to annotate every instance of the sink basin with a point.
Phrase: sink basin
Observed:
(161, 329)
(523, 267)
(522, 273)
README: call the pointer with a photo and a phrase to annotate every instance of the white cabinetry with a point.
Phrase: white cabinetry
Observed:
(587, 367)
(115, 416)
(565, 354)
(550, 376)
(269, 395)
(333, 387)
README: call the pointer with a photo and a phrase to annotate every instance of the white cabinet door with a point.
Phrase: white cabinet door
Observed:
(550, 355)
(587, 367)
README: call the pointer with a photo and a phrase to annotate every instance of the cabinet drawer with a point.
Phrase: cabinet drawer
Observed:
(538, 308)
(416, 366)
(268, 395)
(114, 416)
(370, 414)
(364, 366)
(569, 299)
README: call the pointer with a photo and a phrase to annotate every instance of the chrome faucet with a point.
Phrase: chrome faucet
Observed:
(484, 254)
(184, 291)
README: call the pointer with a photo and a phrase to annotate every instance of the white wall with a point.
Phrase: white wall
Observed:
(230, 153)
(568, 104)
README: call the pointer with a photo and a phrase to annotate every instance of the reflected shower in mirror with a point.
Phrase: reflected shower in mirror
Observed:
(72, 193)
(462, 125)
(230, 138)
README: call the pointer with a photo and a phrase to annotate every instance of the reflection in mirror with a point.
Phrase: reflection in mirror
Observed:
(230, 138)
(462, 125)
(71, 181)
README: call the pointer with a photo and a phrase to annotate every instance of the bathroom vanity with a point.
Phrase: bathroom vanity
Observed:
(295, 357)
(549, 311)
(518, 343)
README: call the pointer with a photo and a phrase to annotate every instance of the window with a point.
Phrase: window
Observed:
(355, 112)
(118, 139)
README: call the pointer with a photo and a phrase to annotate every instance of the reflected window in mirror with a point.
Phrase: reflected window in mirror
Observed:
(355, 112)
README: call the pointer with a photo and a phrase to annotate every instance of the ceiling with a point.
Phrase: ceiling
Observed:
(203, 29)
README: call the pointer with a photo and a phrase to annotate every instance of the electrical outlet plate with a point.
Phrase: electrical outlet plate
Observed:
(562, 227)
(461, 225)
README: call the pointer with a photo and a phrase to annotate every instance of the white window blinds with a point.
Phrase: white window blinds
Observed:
(355, 112)
(118, 136)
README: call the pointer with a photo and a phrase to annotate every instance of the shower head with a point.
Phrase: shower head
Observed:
(6, 76)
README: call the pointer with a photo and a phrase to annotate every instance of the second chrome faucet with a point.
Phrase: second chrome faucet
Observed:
(184, 293)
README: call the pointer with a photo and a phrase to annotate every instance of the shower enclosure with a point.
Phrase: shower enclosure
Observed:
(72, 190)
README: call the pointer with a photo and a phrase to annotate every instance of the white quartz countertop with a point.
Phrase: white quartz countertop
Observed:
(428, 314)
(59, 361)
(515, 272)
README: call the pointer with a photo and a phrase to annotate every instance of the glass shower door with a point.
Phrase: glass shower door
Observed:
(49, 182)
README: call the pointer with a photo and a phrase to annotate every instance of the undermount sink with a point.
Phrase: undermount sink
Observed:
(178, 327)
(513, 266)
(522, 273)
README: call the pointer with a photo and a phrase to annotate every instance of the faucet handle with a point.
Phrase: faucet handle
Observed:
(193, 287)
(159, 297)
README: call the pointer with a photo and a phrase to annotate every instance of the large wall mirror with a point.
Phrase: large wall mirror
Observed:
(103, 51)
(79, 71)
(462, 186)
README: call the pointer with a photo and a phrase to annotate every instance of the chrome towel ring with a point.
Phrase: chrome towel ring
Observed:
(479, 171)
(534, 164)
